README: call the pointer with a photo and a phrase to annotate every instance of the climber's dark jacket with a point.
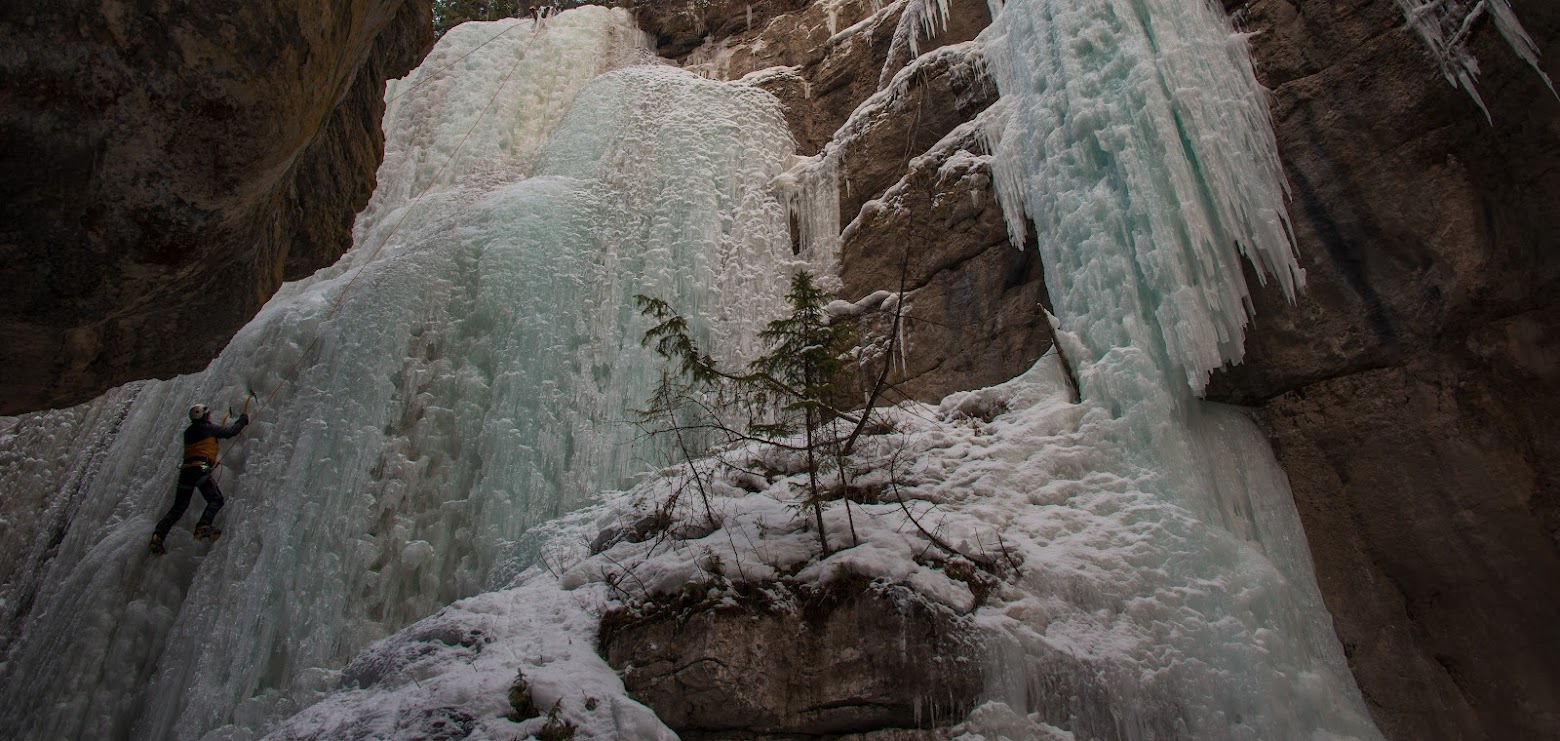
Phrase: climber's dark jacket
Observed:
(200, 440)
(200, 454)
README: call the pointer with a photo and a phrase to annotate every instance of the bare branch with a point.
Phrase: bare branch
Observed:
(893, 482)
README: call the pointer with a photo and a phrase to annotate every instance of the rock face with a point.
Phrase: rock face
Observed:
(1412, 392)
(163, 169)
(916, 192)
(857, 658)
(974, 309)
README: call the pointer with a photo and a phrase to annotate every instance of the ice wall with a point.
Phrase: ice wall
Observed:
(466, 371)
(1169, 593)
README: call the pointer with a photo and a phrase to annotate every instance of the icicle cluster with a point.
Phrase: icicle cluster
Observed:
(1446, 25)
(920, 19)
(1138, 140)
(1167, 591)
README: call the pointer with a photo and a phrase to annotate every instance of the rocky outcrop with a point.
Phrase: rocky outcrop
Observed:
(923, 103)
(974, 316)
(682, 28)
(1411, 392)
(838, 54)
(163, 170)
(916, 194)
(851, 658)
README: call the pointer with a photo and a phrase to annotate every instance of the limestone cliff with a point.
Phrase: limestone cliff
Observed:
(165, 166)
(916, 197)
(1411, 392)
(164, 169)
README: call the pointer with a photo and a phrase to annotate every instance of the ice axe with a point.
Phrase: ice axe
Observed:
(242, 412)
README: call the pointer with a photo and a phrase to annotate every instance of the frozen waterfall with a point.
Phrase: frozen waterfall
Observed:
(467, 373)
(1170, 593)
(467, 370)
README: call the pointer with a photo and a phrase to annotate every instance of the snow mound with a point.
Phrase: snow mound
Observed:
(448, 676)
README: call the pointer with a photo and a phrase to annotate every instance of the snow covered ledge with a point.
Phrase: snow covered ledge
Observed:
(998, 525)
(450, 675)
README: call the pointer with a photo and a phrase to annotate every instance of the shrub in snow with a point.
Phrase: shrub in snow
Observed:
(556, 729)
(784, 397)
(521, 704)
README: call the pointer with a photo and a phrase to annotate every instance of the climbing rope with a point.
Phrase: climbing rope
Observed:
(429, 75)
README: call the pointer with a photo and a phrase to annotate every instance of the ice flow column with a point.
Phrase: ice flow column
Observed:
(1177, 598)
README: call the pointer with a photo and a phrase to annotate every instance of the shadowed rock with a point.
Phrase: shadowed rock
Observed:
(974, 313)
(851, 658)
(1411, 393)
(163, 170)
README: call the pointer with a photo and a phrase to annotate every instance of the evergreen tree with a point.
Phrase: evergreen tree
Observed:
(784, 393)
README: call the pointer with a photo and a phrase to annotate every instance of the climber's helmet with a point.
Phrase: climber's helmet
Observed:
(198, 411)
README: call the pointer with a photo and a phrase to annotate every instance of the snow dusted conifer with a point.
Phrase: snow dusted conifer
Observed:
(785, 393)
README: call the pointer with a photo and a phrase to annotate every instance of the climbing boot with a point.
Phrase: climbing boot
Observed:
(156, 546)
(207, 532)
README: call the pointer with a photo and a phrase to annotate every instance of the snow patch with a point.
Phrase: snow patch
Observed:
(451, 673)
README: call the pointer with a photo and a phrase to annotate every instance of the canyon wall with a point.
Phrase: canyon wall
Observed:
(917, 209)
(165, 166)
(1411, 392)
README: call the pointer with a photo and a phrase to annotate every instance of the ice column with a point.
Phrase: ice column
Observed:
(467, 370)
(1139, 142)
(1171, 594)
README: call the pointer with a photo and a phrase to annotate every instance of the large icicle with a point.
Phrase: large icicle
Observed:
(1446, 25)
(1139, 142)
(476, 364)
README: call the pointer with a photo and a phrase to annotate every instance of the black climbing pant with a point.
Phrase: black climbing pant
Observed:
(190, 479)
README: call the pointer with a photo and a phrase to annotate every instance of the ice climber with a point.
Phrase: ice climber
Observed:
(200, 454)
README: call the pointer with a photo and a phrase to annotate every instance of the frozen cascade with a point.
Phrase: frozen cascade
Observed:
(1139, 141)
(476, 364)
(1168, 591)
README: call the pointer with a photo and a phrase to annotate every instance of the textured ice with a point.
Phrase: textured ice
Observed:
(1138, 141)
(478, 354)
(1169, 591)
(448, 676)
(466, 371)
(1133, 615)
